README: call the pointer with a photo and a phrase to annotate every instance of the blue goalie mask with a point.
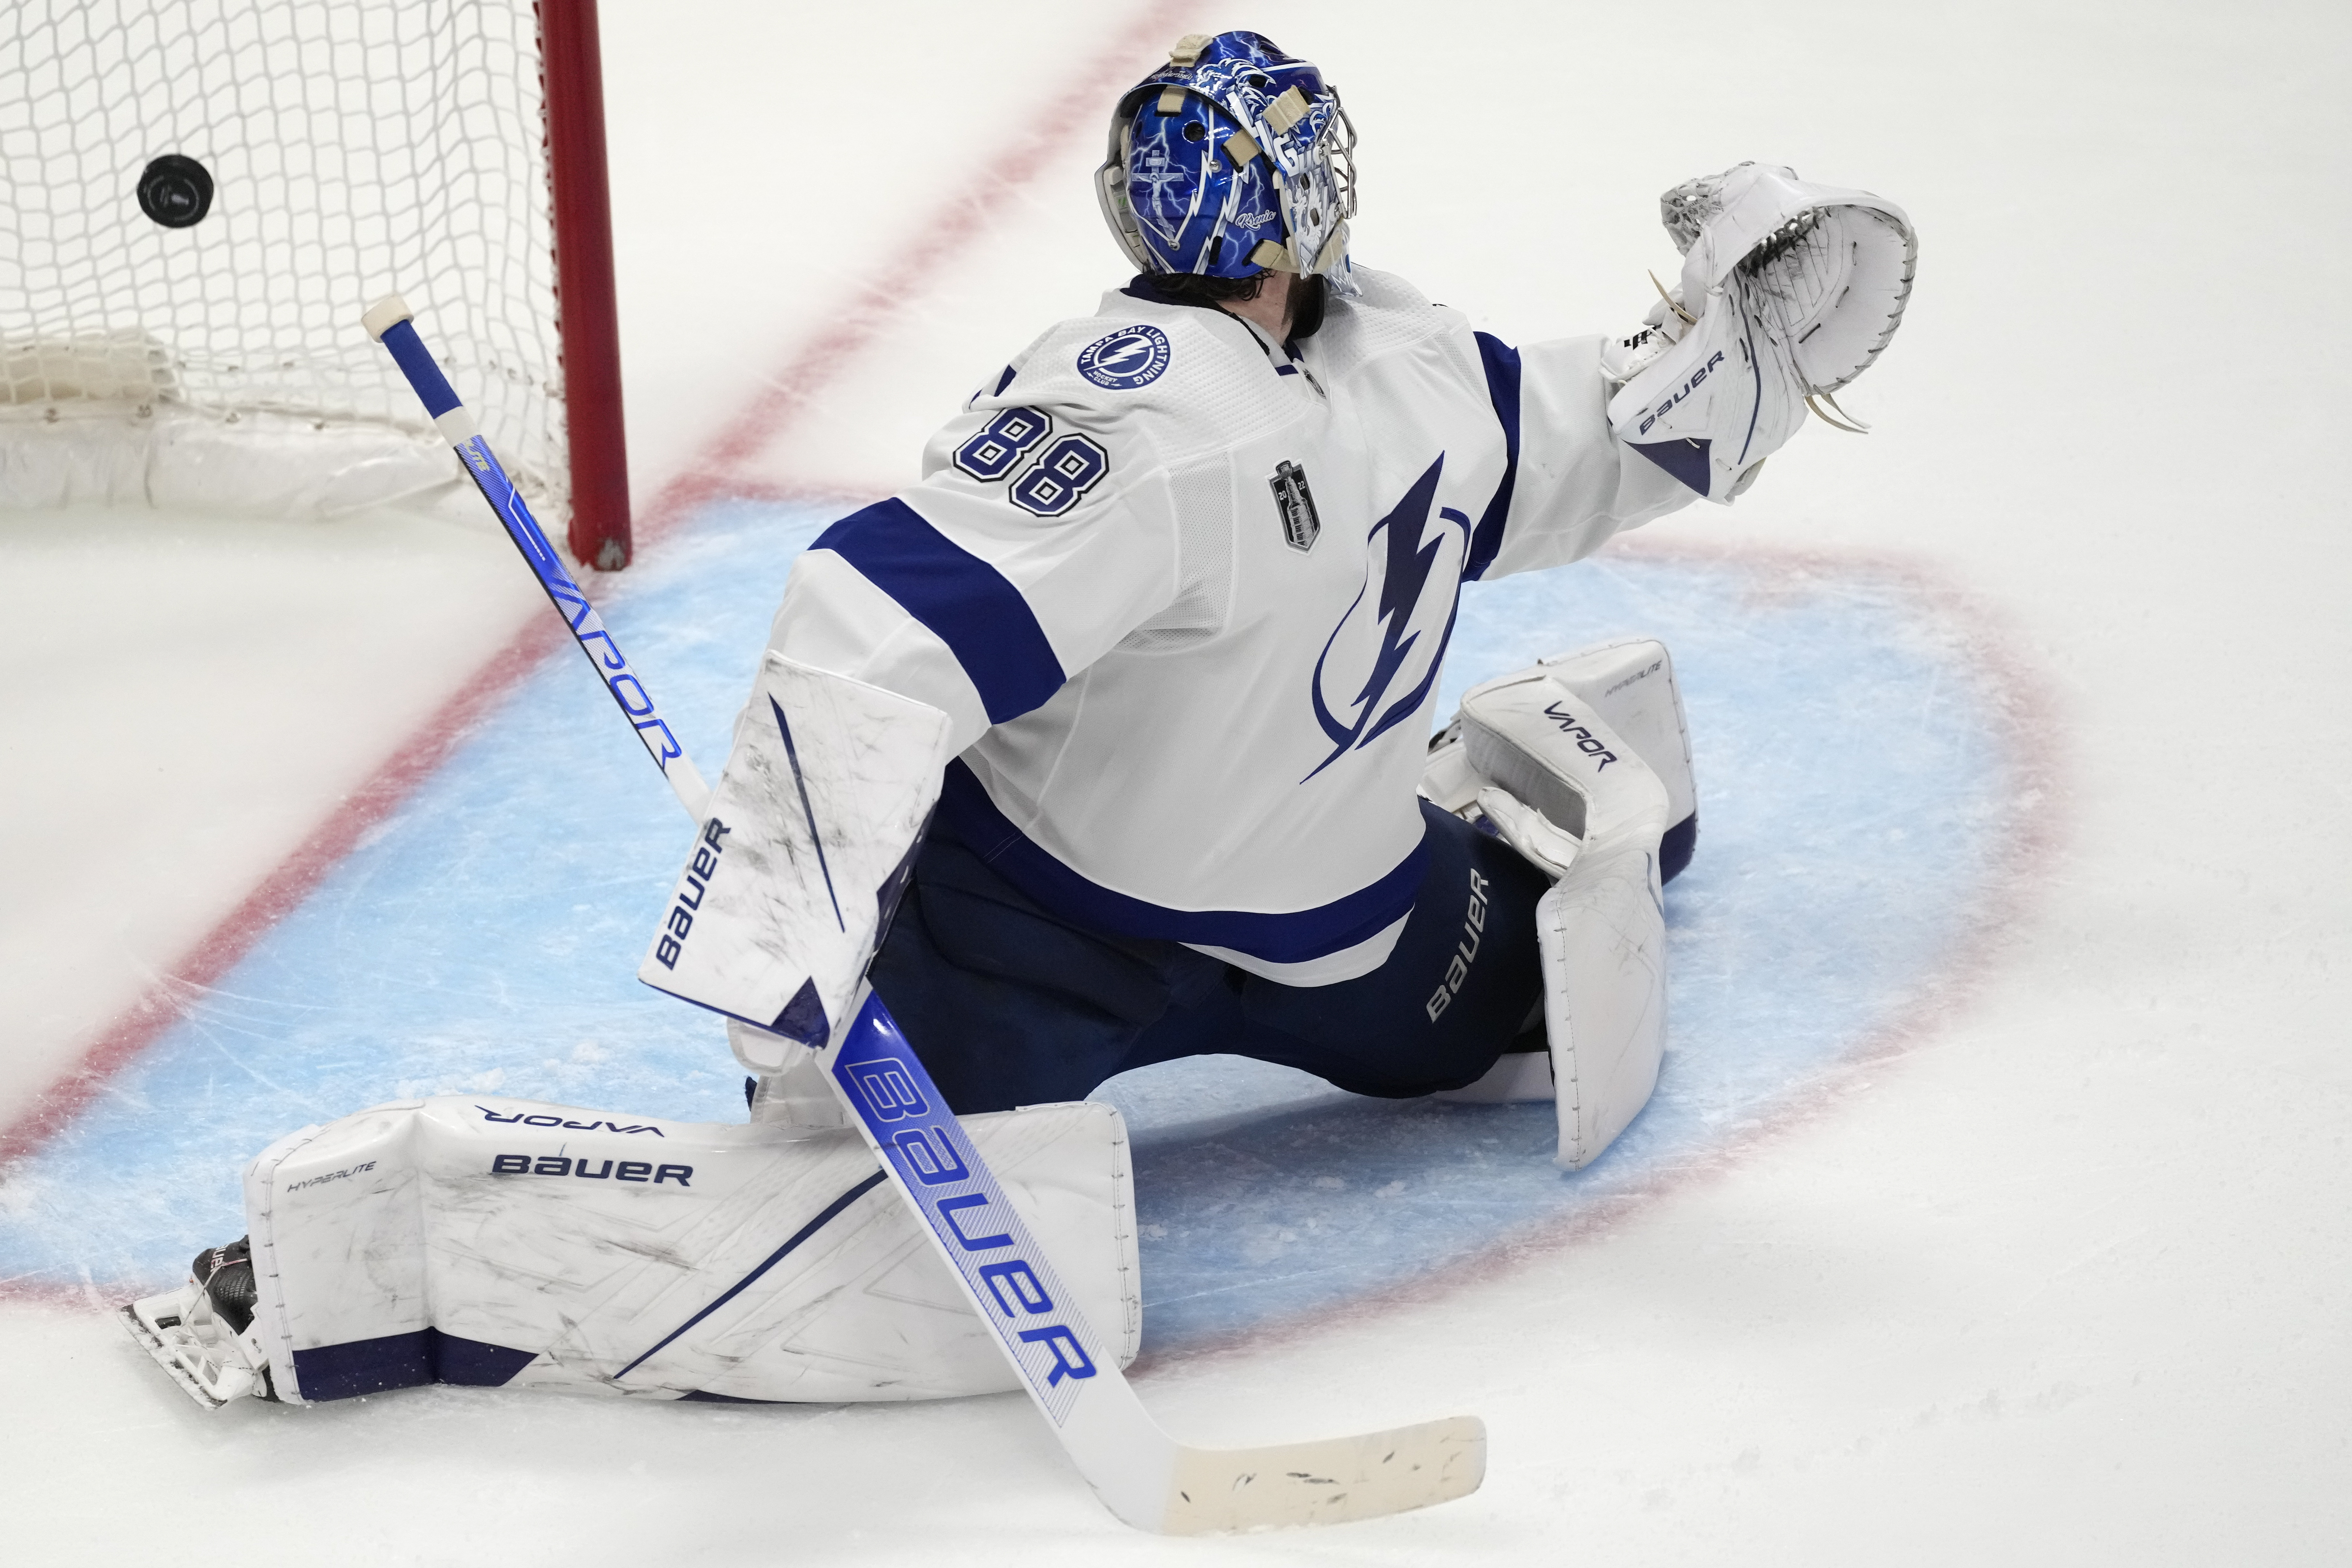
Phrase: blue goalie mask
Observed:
(1233, 160)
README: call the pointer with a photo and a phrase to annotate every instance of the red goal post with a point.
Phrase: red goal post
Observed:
(198, 196)
(572, 61)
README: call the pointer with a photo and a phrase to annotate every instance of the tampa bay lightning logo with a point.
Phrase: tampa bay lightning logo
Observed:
(1129, 358)
(1378, 665)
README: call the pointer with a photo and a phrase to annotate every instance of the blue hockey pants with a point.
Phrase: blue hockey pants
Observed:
(1009, 1005)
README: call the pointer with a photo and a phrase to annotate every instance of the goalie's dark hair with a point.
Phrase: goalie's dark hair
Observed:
(1192, 289)
(1210, 293)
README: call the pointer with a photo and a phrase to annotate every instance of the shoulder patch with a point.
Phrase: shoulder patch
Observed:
(1129, 358)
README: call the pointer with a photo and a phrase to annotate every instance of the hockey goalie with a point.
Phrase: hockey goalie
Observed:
(1108, 743)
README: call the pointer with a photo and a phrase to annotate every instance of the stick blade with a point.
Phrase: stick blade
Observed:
(1217, 1491)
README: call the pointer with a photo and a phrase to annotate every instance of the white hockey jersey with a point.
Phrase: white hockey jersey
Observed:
(1185, 592)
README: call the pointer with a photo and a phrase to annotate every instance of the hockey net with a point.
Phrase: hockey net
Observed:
(353, 149)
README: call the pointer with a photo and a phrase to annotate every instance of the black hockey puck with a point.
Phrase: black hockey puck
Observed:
(176, 191)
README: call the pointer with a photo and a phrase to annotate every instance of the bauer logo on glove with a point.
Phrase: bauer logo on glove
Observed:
(1681, 393)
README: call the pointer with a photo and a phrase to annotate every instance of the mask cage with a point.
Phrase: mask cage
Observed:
(1322, 176)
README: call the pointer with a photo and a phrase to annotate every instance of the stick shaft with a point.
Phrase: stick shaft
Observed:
(621, 682)
(882, 1084)
(1069, 1372)
(1140, 1473)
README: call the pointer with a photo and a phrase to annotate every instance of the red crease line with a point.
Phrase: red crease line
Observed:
(716, 473)
(713, 475)
(168, 998)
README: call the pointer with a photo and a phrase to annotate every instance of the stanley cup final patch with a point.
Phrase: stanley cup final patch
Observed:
(1295, 503)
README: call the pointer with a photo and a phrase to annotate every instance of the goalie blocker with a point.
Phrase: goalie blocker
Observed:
(806, 846)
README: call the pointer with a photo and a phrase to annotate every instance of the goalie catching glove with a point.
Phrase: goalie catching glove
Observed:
(1789, 290)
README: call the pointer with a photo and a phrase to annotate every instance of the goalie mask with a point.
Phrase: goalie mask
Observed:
(1231, 161)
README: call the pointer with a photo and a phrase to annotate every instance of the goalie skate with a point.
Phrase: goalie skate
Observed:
(201, 1333)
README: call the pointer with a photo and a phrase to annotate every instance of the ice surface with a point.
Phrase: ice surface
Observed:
(2051, 1273)
(484, 938)
(1852, 795)
(164, 750)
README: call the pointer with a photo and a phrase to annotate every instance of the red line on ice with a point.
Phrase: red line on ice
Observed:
(278, 893)
(711, 475)
(1002, 177)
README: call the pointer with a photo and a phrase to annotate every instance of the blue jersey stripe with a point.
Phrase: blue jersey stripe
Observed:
(1502, 362)
(1289, 938)
(966, 602)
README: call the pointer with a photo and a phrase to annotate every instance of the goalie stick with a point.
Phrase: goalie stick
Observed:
(1141, 1474)
(387, 322)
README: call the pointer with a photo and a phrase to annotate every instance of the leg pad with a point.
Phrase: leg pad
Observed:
(510, 1242)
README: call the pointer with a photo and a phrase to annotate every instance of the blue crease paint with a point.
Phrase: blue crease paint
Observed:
(485, 939)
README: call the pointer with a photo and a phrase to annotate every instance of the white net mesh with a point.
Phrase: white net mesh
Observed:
(356, 147)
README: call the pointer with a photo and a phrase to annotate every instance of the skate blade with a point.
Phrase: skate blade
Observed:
(155, 1326)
